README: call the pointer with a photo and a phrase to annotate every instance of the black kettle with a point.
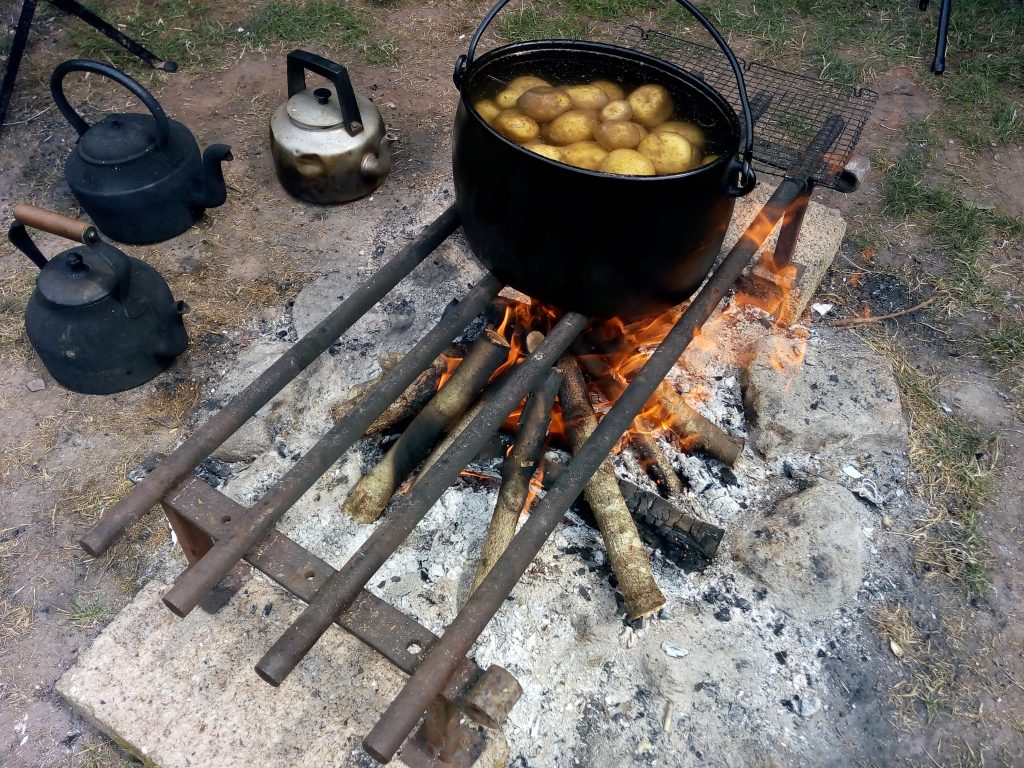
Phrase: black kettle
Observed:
(139, 177)
(100, 321)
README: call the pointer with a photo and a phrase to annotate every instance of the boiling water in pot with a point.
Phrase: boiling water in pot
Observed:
(625, 125)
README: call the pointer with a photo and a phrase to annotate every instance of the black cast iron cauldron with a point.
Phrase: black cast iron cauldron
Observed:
(140, 178)
(100, 321)
(582, 240)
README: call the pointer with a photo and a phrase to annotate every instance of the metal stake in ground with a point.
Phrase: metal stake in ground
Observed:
(517, 471)
(371, 494)
(629, 559)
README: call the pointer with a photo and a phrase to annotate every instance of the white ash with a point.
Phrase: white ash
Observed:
(740, 677)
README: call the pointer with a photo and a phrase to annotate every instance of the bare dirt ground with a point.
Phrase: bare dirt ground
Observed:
(954, 696)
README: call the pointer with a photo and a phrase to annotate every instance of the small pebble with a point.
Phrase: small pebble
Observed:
(723, 614)
(36, 385)
(673, 650)
(886, 522)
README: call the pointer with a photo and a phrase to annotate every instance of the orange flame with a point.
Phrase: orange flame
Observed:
(451, 365)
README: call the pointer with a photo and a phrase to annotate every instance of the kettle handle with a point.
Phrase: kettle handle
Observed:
(73, 229)
(299, 61)
(63, 69)
(46, 221)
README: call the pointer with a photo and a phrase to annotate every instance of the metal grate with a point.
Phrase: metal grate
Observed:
(799, 105)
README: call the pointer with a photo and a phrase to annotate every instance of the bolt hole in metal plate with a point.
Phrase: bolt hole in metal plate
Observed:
(799, 106)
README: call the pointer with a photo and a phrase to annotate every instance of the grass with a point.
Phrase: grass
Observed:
(954, 461)
(194, 33)
(84, 614)
(963, 231)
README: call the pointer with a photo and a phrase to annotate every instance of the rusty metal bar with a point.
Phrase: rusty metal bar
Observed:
(187, 456)
(409, 509)
(373, 621)
(789, 232)
(430, 678)
(204, 575)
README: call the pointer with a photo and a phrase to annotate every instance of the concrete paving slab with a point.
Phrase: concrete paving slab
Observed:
(181, 693)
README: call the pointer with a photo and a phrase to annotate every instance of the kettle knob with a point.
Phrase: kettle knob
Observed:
(322, 95)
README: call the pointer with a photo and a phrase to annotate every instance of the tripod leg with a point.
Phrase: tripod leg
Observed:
(28, 11)
(101, 25)
(939, 62)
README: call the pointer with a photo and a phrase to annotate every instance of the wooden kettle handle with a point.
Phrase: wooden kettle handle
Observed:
(55, 223)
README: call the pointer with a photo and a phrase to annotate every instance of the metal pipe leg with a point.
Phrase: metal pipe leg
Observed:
(939, 62)
(102, 26)
(28, 12)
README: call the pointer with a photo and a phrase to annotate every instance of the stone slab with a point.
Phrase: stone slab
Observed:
(842, 400)
(181, 693)
(820, 237)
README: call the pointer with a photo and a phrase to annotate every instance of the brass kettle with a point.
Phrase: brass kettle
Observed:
(329, 145)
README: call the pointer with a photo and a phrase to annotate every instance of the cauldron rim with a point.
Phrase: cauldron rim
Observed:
(488, 58)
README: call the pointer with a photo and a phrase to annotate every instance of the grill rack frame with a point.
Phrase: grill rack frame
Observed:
(798, 107)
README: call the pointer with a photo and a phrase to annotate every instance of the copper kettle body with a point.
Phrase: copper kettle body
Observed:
(141, 178)
(100, 320)
(329, 144)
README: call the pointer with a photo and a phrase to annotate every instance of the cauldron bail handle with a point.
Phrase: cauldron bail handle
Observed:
(299, 61)
(740, 167)
(163, 128)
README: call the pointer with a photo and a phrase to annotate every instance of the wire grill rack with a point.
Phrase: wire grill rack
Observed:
(799, 105)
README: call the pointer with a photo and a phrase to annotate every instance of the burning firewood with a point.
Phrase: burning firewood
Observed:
(667, 407)
(701, 433)
(683, 539)
(626, 553)
(646, 447)
(371, 494)
(517, 471)
(410, 402)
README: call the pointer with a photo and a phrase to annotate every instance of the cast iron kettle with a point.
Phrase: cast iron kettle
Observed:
(139, 177)
(582, 240)
(100, 321)
(329, 145)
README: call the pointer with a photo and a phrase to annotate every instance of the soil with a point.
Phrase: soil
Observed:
(66, 456)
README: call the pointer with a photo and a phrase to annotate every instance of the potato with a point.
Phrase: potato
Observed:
(612, 89)
(487, 109)
(688, 131)
(627, 162)
(545, 150)
(544, 103)
(710, 159)
(588, 97)
(669, 152)
(617, 110)
(513, 124)
(584, 154)
(652, 104)
(618, 134)
(507, 98)
(570, 127)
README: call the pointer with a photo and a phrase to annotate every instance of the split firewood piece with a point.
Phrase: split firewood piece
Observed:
(371, 494)
(644, 444)
(626, 553)
(517, 471)
(407, 404)
(700, 433)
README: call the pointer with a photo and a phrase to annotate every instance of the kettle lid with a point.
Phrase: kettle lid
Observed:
(316, 108)
(118, 139)
(77, 277)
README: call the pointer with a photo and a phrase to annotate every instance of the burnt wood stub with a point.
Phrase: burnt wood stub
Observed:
(397, 637)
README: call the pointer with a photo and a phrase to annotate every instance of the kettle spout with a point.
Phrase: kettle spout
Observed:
(211, 191)
(171, 339)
